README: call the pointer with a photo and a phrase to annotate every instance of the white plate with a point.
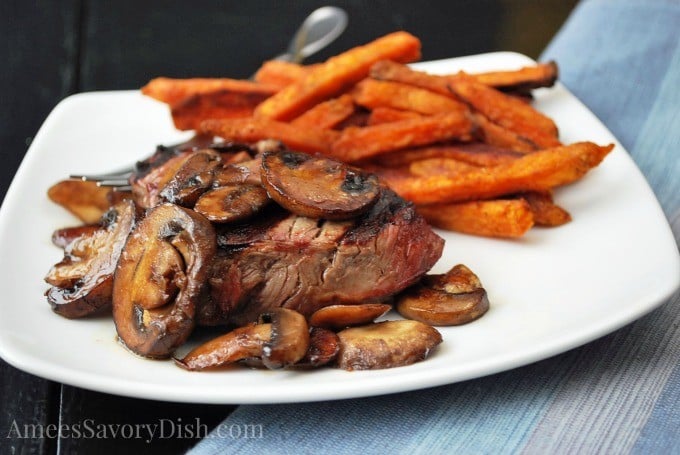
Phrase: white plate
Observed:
(550, 291)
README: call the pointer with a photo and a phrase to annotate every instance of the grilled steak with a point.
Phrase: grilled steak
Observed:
(286, 260)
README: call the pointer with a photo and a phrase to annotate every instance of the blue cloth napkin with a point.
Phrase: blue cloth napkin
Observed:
(619, 394)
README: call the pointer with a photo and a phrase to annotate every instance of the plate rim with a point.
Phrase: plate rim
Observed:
(412, 379)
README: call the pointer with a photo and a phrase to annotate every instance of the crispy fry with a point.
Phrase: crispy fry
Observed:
(539, 171)
(522, 80)
(519, 81)
(546, 212)
(172, 91)
(474, 153)
(436, 166)
(280, 73)
(358, 118)
(507, 111)
(85, 200)
(387, 70)
(328, 114)
(491, 218)
(336, 74)
(493, 134)
(355, 144)
(387, 114)
(190, 112)
(372, 93)
(252, 129)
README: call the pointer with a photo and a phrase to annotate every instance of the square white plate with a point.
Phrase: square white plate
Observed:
(550, 291)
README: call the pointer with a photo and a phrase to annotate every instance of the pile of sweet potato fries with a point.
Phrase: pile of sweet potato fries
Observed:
(468, 149)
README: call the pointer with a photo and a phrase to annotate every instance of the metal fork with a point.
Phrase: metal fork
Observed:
(317, 31)
(118, 180)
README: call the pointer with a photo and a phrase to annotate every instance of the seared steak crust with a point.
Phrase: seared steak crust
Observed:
(285, 260)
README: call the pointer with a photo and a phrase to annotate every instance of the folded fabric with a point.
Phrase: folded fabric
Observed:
(619, 394)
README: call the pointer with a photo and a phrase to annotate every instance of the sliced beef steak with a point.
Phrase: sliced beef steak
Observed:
(284, 260)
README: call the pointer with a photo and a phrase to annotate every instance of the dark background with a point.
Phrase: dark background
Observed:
(52, 49)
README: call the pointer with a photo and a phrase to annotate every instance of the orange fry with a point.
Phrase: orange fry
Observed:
(546, 212)
(539, 171)
(372, 93)
(436, 166)
(521, 80)
(387, 114)
(328, 114)
(473, 153)
(190, 112)
(311, 140)
(493, 134)
(336, 74)
(507, 111)
(387, 70)
(508, 218)
(280, 73)
(356, 144)
(172, 91)
(85, 200)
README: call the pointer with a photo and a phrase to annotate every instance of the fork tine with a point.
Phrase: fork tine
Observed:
(100, 177)
(114, 175)
(112, 182)
(122, 188)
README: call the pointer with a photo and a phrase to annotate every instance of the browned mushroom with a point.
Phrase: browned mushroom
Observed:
(318, 187)
(324, 346)
(245, 172)
(323, 349)
(159, 277)
(290, 338)
(231, 203)
(239, 344)
(82, 281)
(341, 316)
(386, 344)
(179, 177)
(280, 339)
(62, 237)
(192, 178)
(454, 298)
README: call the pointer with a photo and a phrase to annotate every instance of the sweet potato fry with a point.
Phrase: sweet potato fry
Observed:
(508, 218)
(338, 73)
(328, 114)
(190, 112)
(522, 80)
(356, 144)
(252, 129)
(85, 200)
(386, 70)
(546, 212)
(519, 81)
(372, 93)
(280, 73)
(172, 91)
(358, 118)
(387, 114)
(539, 171)
(474, 153)
(507, 111)
(493, 134)
(436, 166)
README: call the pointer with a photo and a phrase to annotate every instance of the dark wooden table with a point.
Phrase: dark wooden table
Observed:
(52, 49)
